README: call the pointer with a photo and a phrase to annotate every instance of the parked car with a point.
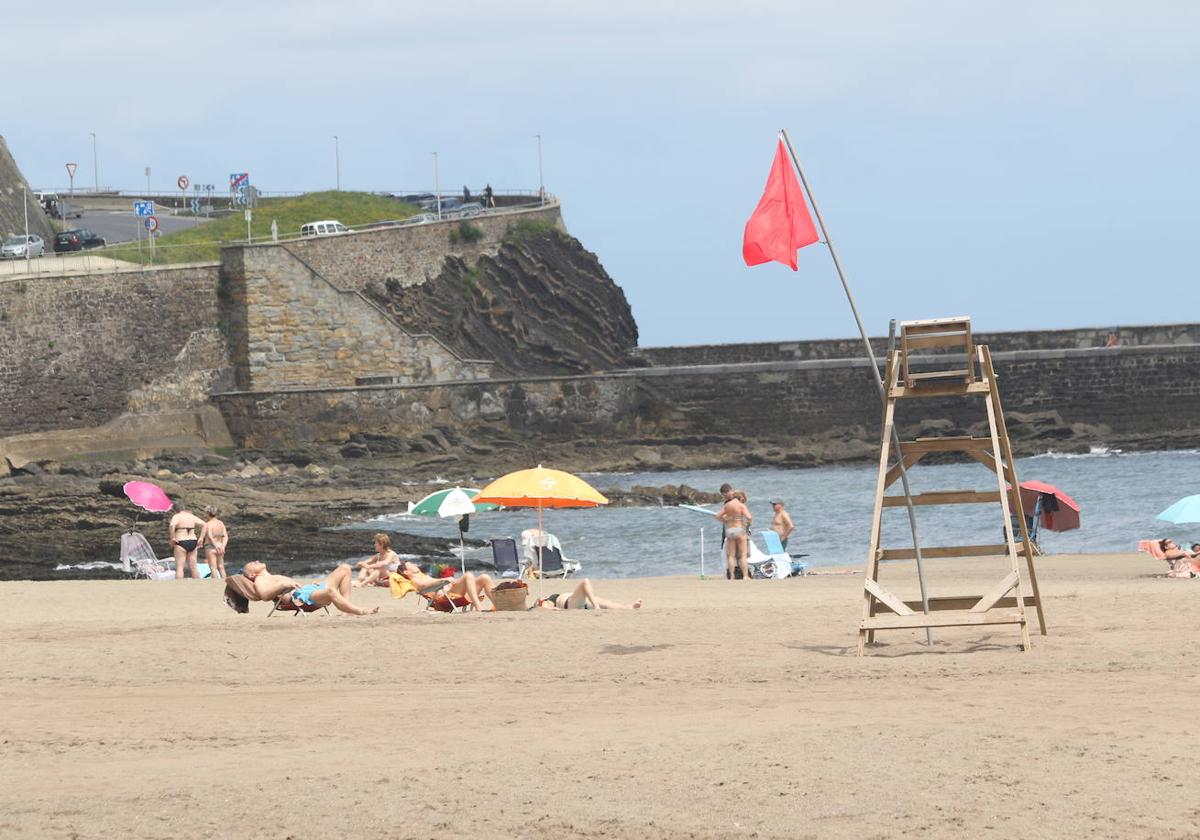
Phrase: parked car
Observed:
(329, 227)
(20, 247)
(420, 219)
(77, 239)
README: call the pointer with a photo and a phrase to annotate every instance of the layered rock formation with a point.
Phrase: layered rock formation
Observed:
(12, 214)
(542, 304)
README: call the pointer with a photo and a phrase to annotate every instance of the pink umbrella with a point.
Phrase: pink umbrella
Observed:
(147, 496)
(1065, 518)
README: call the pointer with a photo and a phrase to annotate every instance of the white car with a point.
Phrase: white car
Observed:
(328, 227)
(20, 247)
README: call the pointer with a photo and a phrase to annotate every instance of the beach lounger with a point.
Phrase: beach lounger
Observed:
(553, 565)
(240, 591)
(784, 562)
(432, 597)
(504, 556)
(1182, 568)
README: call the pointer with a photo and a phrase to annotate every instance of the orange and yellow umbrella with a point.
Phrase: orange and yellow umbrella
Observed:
(541, 488)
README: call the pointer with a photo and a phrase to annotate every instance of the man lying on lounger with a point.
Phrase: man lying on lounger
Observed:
(333, 590)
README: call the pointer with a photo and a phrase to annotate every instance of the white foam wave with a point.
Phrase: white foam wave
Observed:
(1094, 452)
(87, 567)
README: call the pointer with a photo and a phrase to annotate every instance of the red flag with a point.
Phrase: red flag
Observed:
(780, 224)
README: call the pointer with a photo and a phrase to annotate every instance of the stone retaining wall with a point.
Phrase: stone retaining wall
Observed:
(851, 348)
(73, 347)
(1116, 387)
(410, 254)
(289, 327)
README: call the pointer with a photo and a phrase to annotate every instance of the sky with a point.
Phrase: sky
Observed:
(1031, 164)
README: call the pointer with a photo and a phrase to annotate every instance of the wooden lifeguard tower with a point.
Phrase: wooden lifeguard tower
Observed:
(954, 368)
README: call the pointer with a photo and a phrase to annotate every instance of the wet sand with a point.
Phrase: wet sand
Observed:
(148, 710)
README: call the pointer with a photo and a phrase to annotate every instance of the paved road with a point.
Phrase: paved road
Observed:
(124, 227)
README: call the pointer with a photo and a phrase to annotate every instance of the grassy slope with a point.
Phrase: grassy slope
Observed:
(203, 243)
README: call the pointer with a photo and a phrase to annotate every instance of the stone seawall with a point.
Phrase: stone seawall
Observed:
(851, 348)
(1116, 388)
(72, 348)
(410, 254)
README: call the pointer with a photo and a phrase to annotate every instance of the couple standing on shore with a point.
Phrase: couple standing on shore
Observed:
(189, 535)
(736, 518)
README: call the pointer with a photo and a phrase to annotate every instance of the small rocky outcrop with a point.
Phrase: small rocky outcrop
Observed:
(542, 304)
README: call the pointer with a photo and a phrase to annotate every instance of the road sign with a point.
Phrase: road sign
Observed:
(238, 179)
(183, 182)
(195, 205)
(71, 167)
(143, 208)
(152, 223)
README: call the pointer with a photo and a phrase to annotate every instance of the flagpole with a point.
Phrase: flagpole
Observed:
(876, 376)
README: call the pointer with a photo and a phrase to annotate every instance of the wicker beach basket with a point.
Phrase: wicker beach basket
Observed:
(510, 596)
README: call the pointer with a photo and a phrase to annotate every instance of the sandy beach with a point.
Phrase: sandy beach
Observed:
(144, 710)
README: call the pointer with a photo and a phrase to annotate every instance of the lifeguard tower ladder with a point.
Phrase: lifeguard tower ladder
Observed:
(953, 374)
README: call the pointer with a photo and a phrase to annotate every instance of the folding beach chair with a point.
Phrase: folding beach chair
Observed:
(785, 565)
(284, 603)
(432, 597)
(240, 591)
(504, 556)
(552, 561)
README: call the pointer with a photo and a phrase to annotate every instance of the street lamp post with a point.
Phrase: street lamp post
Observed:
(25, 206)
(437, 186)
(337, 162)
(541, 178)
(147, 182)
(95, 165)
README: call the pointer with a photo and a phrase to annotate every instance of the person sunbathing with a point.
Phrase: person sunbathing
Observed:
(468, 586)
(584, 598)
(374, 569)
(332, 590)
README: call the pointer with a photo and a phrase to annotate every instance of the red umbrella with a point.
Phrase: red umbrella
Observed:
(1059, 511)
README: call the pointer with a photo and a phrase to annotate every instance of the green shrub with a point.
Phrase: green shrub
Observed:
(528, 229)
(465, 234)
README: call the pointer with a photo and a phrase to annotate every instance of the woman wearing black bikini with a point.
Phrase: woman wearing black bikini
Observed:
(184, 533)
(583, 598)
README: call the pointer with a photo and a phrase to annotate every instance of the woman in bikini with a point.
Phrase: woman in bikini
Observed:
(736, 518)
(468, 586)
(214, 538)
(375, 569)
(184, 534)
(583, 598)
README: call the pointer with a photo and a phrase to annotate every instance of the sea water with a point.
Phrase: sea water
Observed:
(1119, 495)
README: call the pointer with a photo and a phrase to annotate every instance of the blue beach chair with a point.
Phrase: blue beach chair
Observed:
(776, 553)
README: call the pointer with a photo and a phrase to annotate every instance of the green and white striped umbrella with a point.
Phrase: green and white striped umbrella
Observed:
(455, 502)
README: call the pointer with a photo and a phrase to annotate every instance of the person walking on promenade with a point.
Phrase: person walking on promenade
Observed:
(781, 523)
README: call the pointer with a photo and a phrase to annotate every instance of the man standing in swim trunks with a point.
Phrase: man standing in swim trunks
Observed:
(184, 534)
(781, 523)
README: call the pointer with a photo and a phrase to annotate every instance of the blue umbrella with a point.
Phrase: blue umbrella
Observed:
(1185, 510)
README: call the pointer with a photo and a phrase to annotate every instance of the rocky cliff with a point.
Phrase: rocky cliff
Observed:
(541, 304)
(12, 215)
